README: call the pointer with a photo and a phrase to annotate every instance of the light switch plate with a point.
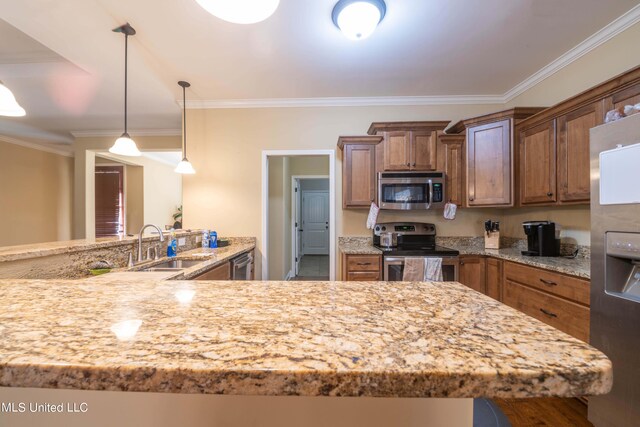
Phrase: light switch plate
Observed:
(198, 239)
(182, 241)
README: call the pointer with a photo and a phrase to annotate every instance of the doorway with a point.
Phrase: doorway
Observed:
(310, 227)
(280, 239)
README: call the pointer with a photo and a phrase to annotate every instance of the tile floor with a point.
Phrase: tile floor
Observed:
(313, 267)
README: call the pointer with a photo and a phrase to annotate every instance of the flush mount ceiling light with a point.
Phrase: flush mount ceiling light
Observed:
(184, 166)
(8, 104)
(358, 19)
(125, 146)
(240, 11)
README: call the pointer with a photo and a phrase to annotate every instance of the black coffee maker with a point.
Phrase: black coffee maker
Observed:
(541, 238)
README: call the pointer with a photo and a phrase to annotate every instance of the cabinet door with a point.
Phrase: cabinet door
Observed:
(423, 151)
(494, 278)
(221, 272)
(397, 151)
(358, 175)
(489, 176)
(538, 164)
(472, 273)
(573, 152)
(451, 162)
(628, 96)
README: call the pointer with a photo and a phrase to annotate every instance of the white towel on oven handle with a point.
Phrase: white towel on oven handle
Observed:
(373, 216)
(432, 269)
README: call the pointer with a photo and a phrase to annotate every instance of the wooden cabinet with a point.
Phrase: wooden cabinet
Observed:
(574, 183)
(472, 272)
(408, 146)
(361, 267)
(409, 150)
(538, 164)
(494, 278)
(559, 300)
(221, 272)
(489, 172)
(358, 170)
(451, 161)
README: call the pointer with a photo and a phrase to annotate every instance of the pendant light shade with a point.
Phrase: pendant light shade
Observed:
(358, 19)
(125, 146)
(184, 167)
(240, 11)
(8, 104)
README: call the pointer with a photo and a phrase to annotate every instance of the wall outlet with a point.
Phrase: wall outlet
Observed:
(198, 239)
(182, 241)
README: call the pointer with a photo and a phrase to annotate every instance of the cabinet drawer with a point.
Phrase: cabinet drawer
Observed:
(363, 263)
(221, 272)
(363, 276)
(565, 286)
(564, 315)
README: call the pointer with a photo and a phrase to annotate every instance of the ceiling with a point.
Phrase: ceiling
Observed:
(65, 65)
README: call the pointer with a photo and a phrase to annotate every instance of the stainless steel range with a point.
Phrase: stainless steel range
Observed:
(400, 240)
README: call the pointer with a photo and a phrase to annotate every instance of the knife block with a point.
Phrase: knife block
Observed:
(492, 240)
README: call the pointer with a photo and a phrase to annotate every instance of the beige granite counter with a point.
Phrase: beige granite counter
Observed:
(579, 267)
(394, 339)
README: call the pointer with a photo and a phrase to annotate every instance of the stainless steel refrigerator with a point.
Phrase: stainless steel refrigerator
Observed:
(615, 267)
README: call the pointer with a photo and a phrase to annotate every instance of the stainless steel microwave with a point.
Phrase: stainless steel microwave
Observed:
(411, 190)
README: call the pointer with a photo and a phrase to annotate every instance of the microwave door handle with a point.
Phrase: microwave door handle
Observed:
(430, 193)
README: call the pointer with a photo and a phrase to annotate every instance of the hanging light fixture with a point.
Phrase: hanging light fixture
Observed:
(8, 104)
(125, 146)
(358, 19)
(185, 165)
(240, 11)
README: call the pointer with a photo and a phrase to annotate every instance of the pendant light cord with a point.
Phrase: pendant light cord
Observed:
(126, 57)
(184, 123)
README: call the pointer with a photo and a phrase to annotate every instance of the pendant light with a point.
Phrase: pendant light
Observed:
(184, 166)
(358, 19)
(8, 104)
(240, 11)
(125, 146)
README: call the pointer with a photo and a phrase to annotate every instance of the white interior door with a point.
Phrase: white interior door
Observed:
(315, 222)
(297, 246)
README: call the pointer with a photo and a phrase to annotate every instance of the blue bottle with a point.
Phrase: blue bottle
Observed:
(213, 239)
(172, 247)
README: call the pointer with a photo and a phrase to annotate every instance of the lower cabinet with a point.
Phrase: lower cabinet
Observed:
(556, 299)
(494, 278)
(221, 272)
(361, 267)
(472, 272)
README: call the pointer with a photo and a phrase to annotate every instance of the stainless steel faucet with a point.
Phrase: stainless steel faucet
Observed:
(140, 239)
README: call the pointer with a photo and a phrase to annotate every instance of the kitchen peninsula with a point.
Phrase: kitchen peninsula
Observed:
(175, 339)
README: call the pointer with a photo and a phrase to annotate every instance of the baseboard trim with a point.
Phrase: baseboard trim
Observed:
(289, 275)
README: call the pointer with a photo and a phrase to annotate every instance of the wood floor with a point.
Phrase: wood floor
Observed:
(553, 412)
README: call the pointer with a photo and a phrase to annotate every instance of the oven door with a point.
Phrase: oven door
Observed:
(241, 267)
(394, 269)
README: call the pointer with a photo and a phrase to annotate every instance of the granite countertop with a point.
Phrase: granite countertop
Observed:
(395, 339)
(14, 253)
(579, 267)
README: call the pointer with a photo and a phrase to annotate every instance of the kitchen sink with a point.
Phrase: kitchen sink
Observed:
(174, 264)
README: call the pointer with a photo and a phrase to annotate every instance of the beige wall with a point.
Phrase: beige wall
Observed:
(84, 182)
(134, 202)
(35, 195)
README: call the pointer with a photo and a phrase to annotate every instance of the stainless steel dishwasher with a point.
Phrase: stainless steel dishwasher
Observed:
(242, 267)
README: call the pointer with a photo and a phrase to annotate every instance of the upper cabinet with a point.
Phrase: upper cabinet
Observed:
(554, 144)
(408, 146)
(451, 160)
(490, 156)
(358, 170)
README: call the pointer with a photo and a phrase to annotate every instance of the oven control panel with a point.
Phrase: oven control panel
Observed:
(405, 228)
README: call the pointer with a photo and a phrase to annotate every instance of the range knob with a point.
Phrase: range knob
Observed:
(384, 228)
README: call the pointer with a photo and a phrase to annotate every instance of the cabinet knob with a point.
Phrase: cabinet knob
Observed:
(549, 194)
(471, 199)
(414, 165)
(408, 164)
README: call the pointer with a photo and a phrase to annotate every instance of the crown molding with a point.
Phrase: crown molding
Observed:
(35, 146)
(614, 28)
(117, 133)
(344, 102)
(605, 34)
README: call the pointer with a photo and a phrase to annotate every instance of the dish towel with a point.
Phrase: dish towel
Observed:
(433, 269)
(373, 216)
(413, 269)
